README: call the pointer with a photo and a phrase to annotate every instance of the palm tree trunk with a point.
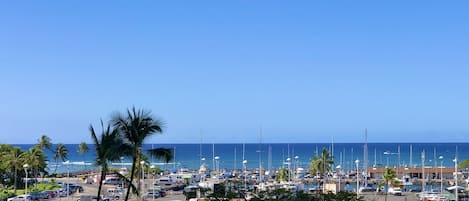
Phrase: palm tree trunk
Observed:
(15, 182)
(103, 177)
(56, 165)
(35, 172)
(386, 195)
(134, 161)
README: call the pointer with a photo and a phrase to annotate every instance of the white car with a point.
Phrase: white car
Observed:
(395, 191)
(20, 198)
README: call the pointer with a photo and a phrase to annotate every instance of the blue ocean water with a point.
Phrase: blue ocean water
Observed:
(275, 155)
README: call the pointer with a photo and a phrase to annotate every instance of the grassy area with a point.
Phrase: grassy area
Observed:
(43, 187)
(6, 193)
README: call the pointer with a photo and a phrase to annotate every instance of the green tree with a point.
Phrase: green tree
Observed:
(464, 164)
(314, 166)
(82, 149)
(136, 126)
(44, 143)
(14, 161)
(109, 147)
(321, 165)
(36, 160)
(283, 175)
(326, 162)
(61, 153)
(389, 175)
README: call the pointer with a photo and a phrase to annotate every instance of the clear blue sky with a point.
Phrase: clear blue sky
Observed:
(304, 70)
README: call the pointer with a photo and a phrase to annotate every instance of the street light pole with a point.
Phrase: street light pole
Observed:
(357, 162)
(296, 166)
(441, 174)
(205, 173)
(143, 177)
(122, 170)
(245, 162)
(25, 166)
(289, 168)
(68, 178)
(152, 167)
(338, 174)
(456, 179)
(217, 167)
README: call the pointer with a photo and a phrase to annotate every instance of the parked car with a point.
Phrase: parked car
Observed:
(20, 198)
(76, 188)
(36, 195)
(52, 193)
(92, 198)
(113, 181)
(63, 193)
(395, 191)
(88, 181)
(115, 193)
(150, 195)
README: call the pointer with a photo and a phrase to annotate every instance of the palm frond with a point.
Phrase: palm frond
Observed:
(126, 181)
(164, 154)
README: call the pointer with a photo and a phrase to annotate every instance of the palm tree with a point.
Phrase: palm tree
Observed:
(136, 126)
(44, 143)
(36, 159)
(283, 175)
(82, 149)
(14, 161)
(321, 165)
(109, 147)
(389, 175)
(326, 162)
(464, 164)
(314, 166)
(60, 152)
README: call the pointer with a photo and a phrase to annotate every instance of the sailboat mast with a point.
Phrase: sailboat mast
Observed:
(343, 160)
(260, 154)
(269, 162)
(213, 155)
(234, 159)
(365, 157)
(410, 159)
(200, 148)
(174, 154)
(398, 159)
(332, 150)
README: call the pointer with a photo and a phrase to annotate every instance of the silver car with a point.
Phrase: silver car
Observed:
(20, 198)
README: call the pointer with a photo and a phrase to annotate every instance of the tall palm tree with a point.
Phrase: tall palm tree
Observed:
(321, 165)
(14, 161)
(44, 143)
(314, 166)
(136, 126)
(82, 149)
(61, 152)
(109, 147)
(283, 175)
(36, 159)
(326, 161)
(389, 175)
